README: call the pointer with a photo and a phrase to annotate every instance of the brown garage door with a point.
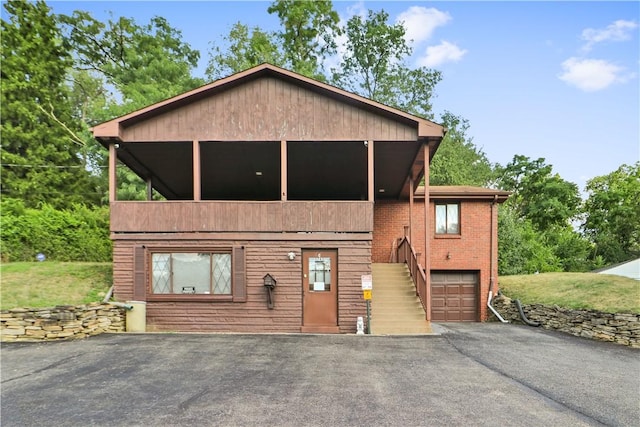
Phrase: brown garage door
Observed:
(454, 296)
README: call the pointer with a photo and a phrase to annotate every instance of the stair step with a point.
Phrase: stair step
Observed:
(395, 308)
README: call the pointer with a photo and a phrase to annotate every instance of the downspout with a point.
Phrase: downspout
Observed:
(107, 297)
(492, 261)
(117, 304)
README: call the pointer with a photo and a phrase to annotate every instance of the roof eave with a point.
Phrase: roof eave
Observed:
(111, 129)
(463, 193)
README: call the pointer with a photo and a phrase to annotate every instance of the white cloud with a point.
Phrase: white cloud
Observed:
(619, 30)
(356, 9)
(591, 75)
(440, 54)
(420, 22)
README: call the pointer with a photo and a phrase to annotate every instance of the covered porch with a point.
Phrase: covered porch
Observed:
(273, 171)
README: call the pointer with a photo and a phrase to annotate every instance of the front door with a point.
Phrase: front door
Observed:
(320, 291)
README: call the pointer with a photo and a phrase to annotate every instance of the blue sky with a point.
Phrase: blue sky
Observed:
(558, 80)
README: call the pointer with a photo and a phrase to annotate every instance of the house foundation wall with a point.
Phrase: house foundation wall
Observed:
(269, 256)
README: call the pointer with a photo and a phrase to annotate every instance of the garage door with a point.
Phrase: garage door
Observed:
(454, 296)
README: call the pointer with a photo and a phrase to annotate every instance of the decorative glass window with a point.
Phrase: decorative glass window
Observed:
(319, 274)
(191, 273)
(447, 218)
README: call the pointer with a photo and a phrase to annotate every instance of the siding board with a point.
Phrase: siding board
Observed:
(252, 216)
(261, 257)
(268, 109)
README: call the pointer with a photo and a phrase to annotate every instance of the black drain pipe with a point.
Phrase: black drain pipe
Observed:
(523, 317)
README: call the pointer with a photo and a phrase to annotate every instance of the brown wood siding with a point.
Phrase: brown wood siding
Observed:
(261, 257)
(123, 271)
(217, 216)
(354, 260)
(269, 109)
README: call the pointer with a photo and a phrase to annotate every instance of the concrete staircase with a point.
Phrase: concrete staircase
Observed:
(395, 308)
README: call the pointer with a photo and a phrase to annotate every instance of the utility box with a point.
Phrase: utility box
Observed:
(136, 319)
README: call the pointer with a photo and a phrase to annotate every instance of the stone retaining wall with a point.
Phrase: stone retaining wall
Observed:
(621, 328)
(61, 322)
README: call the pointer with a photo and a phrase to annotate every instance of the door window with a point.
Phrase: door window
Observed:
(320, 274)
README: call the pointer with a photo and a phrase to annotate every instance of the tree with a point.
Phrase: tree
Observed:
(521, 248)
(373, 65)
(538, 224)
(612, 212)
(570, 248)
(41, 139)
(120, 66)
(458, 161)
(246, 48)
(308, 34)
(541, 196)
(144, 63)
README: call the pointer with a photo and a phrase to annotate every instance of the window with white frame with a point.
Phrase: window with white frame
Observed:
(447, 218)
(196, 273)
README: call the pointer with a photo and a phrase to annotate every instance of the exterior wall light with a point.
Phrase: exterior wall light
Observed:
(291, 256)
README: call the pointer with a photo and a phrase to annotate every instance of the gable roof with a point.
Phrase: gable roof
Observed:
(111, 129)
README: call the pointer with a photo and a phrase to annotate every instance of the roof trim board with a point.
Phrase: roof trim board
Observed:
(113, 128)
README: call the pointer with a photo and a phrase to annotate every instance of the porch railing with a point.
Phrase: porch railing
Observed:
(408, 255)
(185, 216)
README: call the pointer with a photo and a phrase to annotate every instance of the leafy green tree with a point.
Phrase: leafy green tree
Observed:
(521, 248)
(458, 161)
(541, 196)
(538, 219)
(612, 212)
(246, 48)
(308, 34)
(570, 248)
(374, 66)
(144, 63)
(120, 66)
(42, 149)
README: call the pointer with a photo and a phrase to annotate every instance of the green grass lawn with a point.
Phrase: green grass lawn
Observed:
(604, 292)
(51, 283)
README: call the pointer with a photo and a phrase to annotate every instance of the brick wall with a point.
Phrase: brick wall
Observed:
(469, 251)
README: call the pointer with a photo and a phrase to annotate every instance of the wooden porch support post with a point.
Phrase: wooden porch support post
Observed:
(370, 183)
(411, 210)
(283, 171)
(149, 189)
(113, 183)
(427, 229)
(197, 180)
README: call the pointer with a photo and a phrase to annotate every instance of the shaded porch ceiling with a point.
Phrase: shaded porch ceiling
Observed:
(325, 170)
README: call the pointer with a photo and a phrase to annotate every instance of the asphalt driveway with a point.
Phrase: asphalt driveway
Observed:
(472, 374)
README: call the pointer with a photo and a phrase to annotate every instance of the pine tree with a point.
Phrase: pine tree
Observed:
(41, 149)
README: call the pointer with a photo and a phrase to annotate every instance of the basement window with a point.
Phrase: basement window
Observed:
(191, 273)
(448, 218)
